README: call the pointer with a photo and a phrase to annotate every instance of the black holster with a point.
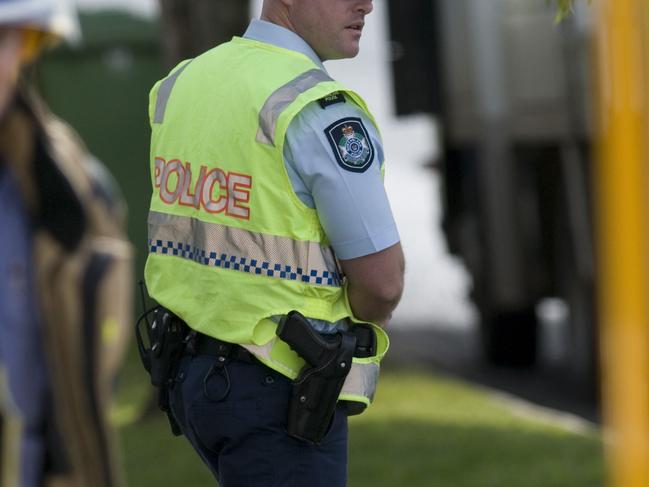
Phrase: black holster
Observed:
(316, 389)
(161, 346)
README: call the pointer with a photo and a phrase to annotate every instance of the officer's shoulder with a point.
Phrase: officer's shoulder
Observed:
(344, 125)
(313, 118)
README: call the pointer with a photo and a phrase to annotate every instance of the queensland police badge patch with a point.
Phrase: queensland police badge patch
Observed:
(351, 144)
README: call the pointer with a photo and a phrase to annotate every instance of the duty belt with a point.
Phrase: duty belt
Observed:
(201, 344)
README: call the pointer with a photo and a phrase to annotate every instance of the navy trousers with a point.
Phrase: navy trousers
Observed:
(235, 414)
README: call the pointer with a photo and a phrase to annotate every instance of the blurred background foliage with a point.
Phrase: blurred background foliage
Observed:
(564, 7)
(101, 88)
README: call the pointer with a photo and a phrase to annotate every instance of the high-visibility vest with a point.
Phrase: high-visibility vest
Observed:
(231, 246)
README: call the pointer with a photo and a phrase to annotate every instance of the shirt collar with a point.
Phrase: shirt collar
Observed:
(263, 31)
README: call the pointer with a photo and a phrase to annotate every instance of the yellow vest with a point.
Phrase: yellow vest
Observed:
(230, 243)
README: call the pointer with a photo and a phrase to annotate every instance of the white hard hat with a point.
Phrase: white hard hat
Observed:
(57, 17)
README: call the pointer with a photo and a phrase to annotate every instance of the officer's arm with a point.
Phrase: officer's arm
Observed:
(375, 284)
(351, 201)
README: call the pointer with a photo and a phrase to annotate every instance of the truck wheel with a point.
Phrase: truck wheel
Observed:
(509, 338)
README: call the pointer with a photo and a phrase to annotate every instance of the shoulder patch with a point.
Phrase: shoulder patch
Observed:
(351, 144)
(332, 99)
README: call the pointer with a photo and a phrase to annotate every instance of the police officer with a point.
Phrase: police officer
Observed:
(268, 198)
(64, 275)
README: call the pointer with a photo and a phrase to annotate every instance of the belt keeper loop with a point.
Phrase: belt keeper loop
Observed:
(223, 353)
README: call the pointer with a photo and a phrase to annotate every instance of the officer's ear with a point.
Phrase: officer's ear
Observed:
(272, 4)
(275, 10)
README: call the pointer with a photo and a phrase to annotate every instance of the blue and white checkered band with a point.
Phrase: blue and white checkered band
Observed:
(351, 144)
(236, 249)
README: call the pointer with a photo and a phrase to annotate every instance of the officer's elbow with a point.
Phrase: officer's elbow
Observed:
(375, 284)
(389, 288)
(375, 303)
(387, 293)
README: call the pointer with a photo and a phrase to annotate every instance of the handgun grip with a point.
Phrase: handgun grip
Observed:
(295, 330)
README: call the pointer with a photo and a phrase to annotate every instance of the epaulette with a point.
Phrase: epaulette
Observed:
(331, 99)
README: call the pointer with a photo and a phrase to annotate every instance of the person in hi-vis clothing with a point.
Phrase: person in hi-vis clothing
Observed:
(271, 237)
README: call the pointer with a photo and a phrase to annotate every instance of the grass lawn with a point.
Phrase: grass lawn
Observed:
(423, 430)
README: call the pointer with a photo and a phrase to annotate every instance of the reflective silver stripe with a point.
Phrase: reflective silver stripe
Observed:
(237, 249)
(164, 92)
(263, 352)
(361, 380)
(282, 98)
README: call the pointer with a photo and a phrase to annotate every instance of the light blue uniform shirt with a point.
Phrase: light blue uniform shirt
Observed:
(352, 206)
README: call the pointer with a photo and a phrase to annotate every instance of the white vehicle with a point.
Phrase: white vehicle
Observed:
(510, 89)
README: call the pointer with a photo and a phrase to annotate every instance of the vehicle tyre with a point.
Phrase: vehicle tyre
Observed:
(509, 338)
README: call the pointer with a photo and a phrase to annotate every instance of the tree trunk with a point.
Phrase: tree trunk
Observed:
(190, 27)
